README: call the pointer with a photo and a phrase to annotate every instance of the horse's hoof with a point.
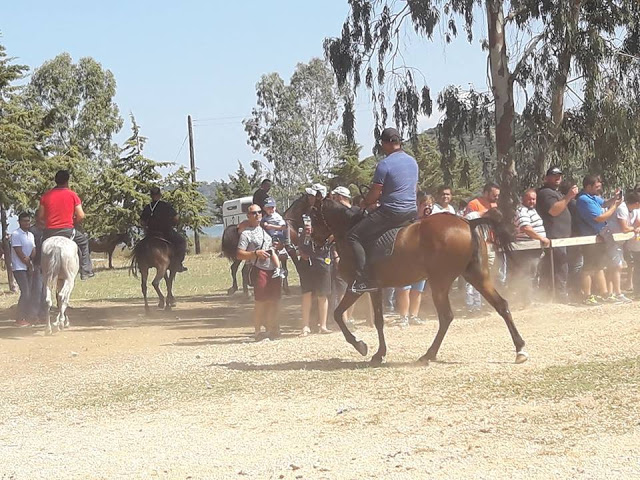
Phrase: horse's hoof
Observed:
(426, 359)
(172, 303)
(167, 308)
(231, 291)
(522, 357)
(361, 347)
(48, 333)
(376, 360)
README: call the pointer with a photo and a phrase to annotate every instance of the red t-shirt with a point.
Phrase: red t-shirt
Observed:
(59, 206)
(480, 205)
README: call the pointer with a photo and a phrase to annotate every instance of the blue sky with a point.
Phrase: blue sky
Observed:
(171, 59)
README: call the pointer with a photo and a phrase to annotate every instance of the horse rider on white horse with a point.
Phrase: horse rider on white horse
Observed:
(61, 212)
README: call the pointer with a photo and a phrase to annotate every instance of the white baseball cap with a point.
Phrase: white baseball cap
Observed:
(342, 191)
(315, 188)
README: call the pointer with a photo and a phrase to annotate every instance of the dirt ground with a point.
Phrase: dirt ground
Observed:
(189, 395)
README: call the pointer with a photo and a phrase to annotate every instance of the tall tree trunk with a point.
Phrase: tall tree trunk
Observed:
(502, 87)
(6, 248)
(559, 88)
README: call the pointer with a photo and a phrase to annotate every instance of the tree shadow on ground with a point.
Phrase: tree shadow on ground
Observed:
(324, 365)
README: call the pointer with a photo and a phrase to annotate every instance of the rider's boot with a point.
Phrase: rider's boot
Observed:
(362, 285)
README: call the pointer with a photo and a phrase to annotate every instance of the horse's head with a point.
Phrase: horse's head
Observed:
(329, 217)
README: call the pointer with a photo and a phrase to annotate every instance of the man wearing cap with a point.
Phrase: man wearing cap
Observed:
(342, 195)
(394, 186)
(262, 193)
(556, 218)
(315, 188)
(61, 212)
(160, 217)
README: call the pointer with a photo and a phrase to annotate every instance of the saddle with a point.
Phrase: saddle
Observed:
(382, 246)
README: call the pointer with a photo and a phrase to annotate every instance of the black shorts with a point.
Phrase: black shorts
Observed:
(595, 257)
(315, 278)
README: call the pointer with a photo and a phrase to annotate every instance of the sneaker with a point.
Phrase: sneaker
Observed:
(402, 322)
(22, 323)
(609, 299)
(622, 298)
(278, 273)
(591, 301)
(413, 320)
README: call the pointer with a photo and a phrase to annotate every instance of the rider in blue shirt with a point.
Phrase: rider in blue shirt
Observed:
(394, 188)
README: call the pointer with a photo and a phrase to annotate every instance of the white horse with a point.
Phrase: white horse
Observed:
(60, 264)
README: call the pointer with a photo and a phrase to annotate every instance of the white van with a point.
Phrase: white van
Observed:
(235, 211)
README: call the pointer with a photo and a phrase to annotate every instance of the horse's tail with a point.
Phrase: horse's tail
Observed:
(135, 255)
(230, 239)
(504, 232)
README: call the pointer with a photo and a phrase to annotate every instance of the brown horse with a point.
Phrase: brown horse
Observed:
(153, 251)
(231, 236)
(108, 243)
(439, 248)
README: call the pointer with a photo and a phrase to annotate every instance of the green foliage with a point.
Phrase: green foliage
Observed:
(78, 103)
(185, 197)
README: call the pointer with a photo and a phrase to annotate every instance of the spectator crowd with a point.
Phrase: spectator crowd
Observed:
(589, 274)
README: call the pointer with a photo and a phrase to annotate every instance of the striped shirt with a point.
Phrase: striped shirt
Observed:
(528, 217)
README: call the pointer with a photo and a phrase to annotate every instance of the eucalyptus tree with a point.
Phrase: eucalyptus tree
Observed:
(295, 125)
(78, 99)
(563, 37)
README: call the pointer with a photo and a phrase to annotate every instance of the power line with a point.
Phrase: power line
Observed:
(181, 147)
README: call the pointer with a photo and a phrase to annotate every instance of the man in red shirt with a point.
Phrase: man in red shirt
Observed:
(61, 211)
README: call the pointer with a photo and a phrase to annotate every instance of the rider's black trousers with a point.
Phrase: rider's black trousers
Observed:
(369, 229)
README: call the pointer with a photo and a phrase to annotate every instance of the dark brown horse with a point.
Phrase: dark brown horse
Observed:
(108, 243)
(153, 251)
(231, 236)
(439, 248)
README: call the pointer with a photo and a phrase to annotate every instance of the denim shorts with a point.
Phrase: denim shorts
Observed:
(419, 286)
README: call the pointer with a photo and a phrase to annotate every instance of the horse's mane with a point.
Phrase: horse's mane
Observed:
(341, 217)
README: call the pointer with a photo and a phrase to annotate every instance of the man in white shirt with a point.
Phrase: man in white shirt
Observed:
(443, 198)
(22, 250)
(530, 227)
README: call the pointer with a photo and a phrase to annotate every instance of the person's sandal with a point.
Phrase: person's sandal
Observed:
(325, 330)
(305, 332)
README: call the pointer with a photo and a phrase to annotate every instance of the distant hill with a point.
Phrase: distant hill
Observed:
(210, 190)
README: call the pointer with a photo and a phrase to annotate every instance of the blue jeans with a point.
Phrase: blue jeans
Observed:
(23, 278)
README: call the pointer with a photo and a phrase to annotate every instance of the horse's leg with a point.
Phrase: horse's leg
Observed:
(440, 294)
(65, 297)
(234, 271)
(245, 279)
(169, 277)
(49, 301)
(110, 253)
(156, 285)
(376, 299)
(285, 283)
(480, 279)
(144, 276)
(348, 300)
(59, 323)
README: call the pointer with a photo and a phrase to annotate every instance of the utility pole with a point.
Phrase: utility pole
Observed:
(196, 235)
